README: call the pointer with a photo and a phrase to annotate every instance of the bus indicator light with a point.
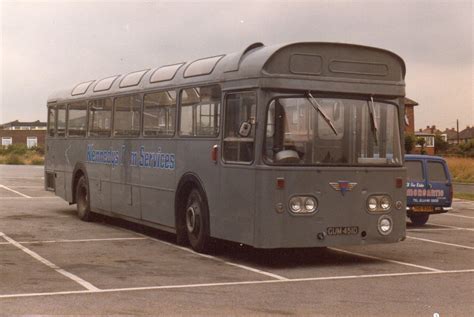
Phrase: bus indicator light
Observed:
(398, 182)
(214, 152)
(280, 184)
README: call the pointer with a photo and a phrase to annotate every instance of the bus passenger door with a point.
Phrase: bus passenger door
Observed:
(237, 176)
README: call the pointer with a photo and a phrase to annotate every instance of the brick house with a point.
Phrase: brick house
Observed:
(410, 116)
(28, 133)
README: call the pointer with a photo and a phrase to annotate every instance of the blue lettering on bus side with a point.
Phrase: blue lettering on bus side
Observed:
(141, 158)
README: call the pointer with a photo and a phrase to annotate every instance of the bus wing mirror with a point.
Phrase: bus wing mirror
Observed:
(245, 129)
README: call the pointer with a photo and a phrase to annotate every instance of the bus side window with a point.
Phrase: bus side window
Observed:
(200, 111)
(100, 117)
(127, 113)
(159, 114)
(51, 121)
(77, 119)
(61, 121)
(240, 109)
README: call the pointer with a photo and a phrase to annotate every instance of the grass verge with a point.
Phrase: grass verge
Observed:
(461, 169)
(465, 196)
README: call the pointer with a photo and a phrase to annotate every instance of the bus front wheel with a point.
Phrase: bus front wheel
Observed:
(419, 220)
(83, 200)
(197, 222)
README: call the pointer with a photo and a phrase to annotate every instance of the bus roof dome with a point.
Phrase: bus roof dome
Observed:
(305, 60)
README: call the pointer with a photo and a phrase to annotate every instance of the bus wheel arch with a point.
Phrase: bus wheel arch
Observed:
(81, 193)
(192, 214)
(79, 170)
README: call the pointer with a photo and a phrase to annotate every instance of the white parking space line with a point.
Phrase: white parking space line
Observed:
(387, 260)
(36, 256)
(77, 240)
(14, 191)
(22, 186)
(443, 243)
(451, 227)
(245, 267)
(28, 197)
(454, 215)
(273, 281)
(435, 229)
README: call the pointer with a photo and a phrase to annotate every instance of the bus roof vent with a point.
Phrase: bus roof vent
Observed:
(81, 88)
(105, 84)
(165, 73)
(203, 66)
(132, 79)
(233, 65)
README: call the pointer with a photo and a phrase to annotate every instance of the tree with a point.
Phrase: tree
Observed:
(441, 146)
(421, 142)
(409, 143)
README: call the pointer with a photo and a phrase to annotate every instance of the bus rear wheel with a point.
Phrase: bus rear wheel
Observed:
(197, 222)
(83, 200)
(419, 220)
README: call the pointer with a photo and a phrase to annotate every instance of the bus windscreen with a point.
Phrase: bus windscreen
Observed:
(332, 131)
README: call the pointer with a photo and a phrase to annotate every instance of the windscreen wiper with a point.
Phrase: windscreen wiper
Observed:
(319, 109)
(373, 122)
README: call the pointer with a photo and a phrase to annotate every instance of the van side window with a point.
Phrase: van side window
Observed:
(77, 119)
(414, 171)
(436, 172)
(239, 112)
(127, 113)
(200, 111)
(100, 117)
(61, 119)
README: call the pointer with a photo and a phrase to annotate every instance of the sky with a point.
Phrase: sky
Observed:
(50, 45)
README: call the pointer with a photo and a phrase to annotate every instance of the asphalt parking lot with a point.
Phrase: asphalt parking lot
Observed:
(52, 263)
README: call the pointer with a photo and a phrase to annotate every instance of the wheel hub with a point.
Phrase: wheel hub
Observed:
(191, 219)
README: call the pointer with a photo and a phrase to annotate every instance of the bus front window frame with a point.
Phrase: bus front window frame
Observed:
(292, 157)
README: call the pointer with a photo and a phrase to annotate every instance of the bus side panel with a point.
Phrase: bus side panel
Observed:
(125, 180)
(98, 175)
(57, 148)
(157, 178)
(235, 220)
(194, 156)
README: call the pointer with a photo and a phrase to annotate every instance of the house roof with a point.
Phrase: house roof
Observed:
(467, 133)
(17, 123)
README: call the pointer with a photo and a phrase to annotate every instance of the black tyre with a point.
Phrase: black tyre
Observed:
(83, 200)
(419, 220)
(196, 216)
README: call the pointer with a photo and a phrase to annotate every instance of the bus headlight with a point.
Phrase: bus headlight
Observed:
(385, 225)
(295, 204)
(303, 204)
(372, 204)
(310, 204)
(379, 203)
(385, 203)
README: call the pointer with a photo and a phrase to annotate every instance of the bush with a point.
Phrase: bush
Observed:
(37, 161)
(14, 159)
(409, 143)
(18, 149)
(441, 146)
(38, 149)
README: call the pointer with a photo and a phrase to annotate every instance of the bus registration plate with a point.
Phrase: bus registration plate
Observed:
(333, 231)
